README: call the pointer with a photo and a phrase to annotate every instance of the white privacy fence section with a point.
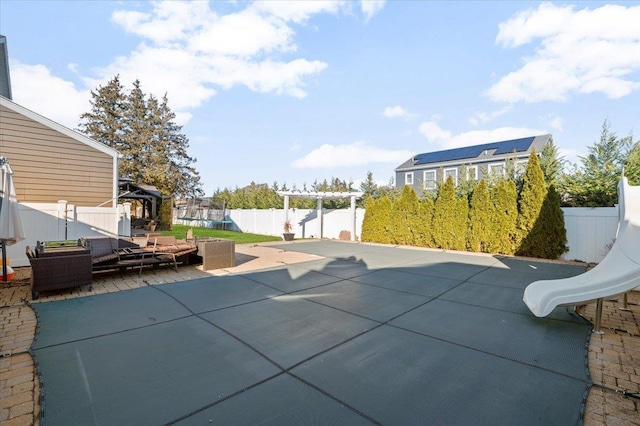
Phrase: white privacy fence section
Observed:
(62, 221)
(306, 223)
(590, 231)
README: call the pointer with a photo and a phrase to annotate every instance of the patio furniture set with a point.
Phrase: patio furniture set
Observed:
(68, 264)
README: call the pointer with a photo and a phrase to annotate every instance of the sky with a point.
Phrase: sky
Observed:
(294, 92)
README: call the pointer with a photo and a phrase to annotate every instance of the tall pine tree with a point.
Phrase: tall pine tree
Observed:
(105, 122)
(142, 129)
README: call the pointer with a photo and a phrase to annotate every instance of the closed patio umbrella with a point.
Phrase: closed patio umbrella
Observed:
(10, 224)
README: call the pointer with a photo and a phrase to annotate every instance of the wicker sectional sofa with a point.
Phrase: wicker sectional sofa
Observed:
(59, 270)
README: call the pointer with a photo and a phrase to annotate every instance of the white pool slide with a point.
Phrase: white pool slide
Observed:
(617, 273)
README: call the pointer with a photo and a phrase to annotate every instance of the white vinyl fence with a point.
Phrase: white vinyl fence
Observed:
(62, 221)
(590, 231)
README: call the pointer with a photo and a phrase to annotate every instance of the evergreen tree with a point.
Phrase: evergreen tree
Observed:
(445, 209)
(532, 196)
(405, 217)
(460, 224)
(479, 219)
(423, 234)
(370, 221)
(153, 149)
(368, 186)
(632, 165)
(503, 216)
(384, 226)
(104, 123)
(548, 236)
(181, 176)
(551, 163)
(595, 183)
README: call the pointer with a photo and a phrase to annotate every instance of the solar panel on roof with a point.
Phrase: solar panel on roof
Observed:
(517, 145)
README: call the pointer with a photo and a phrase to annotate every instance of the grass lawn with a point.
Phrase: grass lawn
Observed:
(180, 231)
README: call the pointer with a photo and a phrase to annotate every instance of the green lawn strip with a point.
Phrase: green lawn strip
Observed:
(180, 232)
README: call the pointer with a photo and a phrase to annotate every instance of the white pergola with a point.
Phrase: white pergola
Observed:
(320, 196)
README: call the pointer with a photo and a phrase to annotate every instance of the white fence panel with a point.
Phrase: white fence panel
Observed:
(62, 221)
(590, 232)
(306, 223)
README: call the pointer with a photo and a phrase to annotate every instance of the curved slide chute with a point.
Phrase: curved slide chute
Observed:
(617, 273)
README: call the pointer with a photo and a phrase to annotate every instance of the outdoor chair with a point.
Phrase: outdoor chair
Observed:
(58, 271)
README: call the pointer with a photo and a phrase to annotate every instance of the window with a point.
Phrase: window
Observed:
(521, 166)
(453, 173)
(496, 169)
(430, 179)
(472, 172)
(408, 178)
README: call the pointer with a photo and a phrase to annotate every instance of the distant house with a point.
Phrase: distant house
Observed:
(423, 171)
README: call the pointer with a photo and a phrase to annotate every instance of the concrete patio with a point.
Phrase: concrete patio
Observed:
(614, 357)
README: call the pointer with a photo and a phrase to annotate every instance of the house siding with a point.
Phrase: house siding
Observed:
(49, 166)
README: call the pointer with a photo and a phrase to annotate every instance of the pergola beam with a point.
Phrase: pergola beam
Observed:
(321, 196)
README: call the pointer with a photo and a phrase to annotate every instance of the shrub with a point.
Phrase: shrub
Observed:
(532, 197)
(405, 217)
(503, 215)
(377, 220)
(548, 236)
(423, 234)
(479, 232)
(444, 211)
(460, 224)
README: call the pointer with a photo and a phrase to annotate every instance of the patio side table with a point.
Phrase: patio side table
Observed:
(216, 253)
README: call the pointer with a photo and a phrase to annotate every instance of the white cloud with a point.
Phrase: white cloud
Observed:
(556, 122)
(63, 102)
(189, 51)
(371, 7)
(446, 140)
(354, 154)
(483, 117)
(577, 51)
(395, 111)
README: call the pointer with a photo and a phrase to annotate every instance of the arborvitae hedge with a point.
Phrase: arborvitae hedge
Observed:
(479, 233)
(460, 224)
(423, 236)
(445, 209)
(534, 191)
(548, 237)
(370, 222)
(491, 224)
(503, 215)
(405, 217)
(376, 224)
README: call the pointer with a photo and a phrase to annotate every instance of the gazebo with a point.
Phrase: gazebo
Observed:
(147, 195)
(320, 196)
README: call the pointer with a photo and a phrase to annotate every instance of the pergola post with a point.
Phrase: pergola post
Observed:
(319, 209)
(353, 215)
(286, 208)
(320, 197)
